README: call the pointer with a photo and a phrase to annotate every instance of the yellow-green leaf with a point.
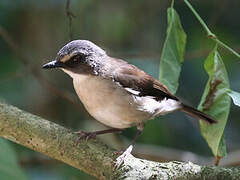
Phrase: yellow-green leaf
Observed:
(173, 52)
(216, 102)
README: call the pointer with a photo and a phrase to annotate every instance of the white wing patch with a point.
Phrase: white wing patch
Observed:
(132, 91)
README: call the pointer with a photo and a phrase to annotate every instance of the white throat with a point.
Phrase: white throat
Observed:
(70, 73)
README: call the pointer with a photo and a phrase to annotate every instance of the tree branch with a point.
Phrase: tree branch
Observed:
(93, 157)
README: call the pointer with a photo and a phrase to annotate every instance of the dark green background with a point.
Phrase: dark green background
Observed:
(130, 29)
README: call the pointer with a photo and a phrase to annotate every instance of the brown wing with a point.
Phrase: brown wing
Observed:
(130, 76)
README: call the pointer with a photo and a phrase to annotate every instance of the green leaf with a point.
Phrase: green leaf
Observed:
(235, 97)
(216, 102)
(9, 169)
(173, 52)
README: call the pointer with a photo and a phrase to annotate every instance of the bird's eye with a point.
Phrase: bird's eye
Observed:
(75, 60)
(78, 58)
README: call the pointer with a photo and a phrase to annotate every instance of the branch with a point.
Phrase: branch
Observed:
(55, 141)
(162, 154)
(93, 157)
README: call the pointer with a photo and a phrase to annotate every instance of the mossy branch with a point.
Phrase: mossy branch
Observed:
(93, 157)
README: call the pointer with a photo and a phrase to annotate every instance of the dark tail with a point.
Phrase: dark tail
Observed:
(197, 114)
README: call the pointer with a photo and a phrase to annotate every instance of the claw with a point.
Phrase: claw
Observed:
(91, 136)
(87, 135)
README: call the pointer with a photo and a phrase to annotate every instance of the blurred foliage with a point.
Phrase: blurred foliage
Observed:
(9, 169)
(133, 30)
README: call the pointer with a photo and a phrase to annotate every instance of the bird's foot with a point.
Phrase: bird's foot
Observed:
(122, 157)
(92, 135)
(87, 135)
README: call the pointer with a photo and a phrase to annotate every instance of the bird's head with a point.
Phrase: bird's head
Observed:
(77, 57)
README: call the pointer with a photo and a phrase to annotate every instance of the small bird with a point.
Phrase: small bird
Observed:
(116, 93)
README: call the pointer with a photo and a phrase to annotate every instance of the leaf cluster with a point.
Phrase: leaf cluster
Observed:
(216, 99)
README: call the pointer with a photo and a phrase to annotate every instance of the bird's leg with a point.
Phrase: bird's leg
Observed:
(128, 151)
(92, 135)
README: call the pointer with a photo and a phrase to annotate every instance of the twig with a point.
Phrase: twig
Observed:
(209, 32)
(70, 16)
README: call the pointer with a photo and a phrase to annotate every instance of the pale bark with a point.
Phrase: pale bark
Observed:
(93, 157)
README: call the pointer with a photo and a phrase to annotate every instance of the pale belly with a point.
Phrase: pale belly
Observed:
(109, 103)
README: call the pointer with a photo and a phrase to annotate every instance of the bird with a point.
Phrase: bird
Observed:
(116, 93)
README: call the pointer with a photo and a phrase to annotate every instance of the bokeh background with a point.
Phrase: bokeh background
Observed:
(130, 29)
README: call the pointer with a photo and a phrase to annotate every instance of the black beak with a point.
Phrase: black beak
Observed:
(53, 64)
